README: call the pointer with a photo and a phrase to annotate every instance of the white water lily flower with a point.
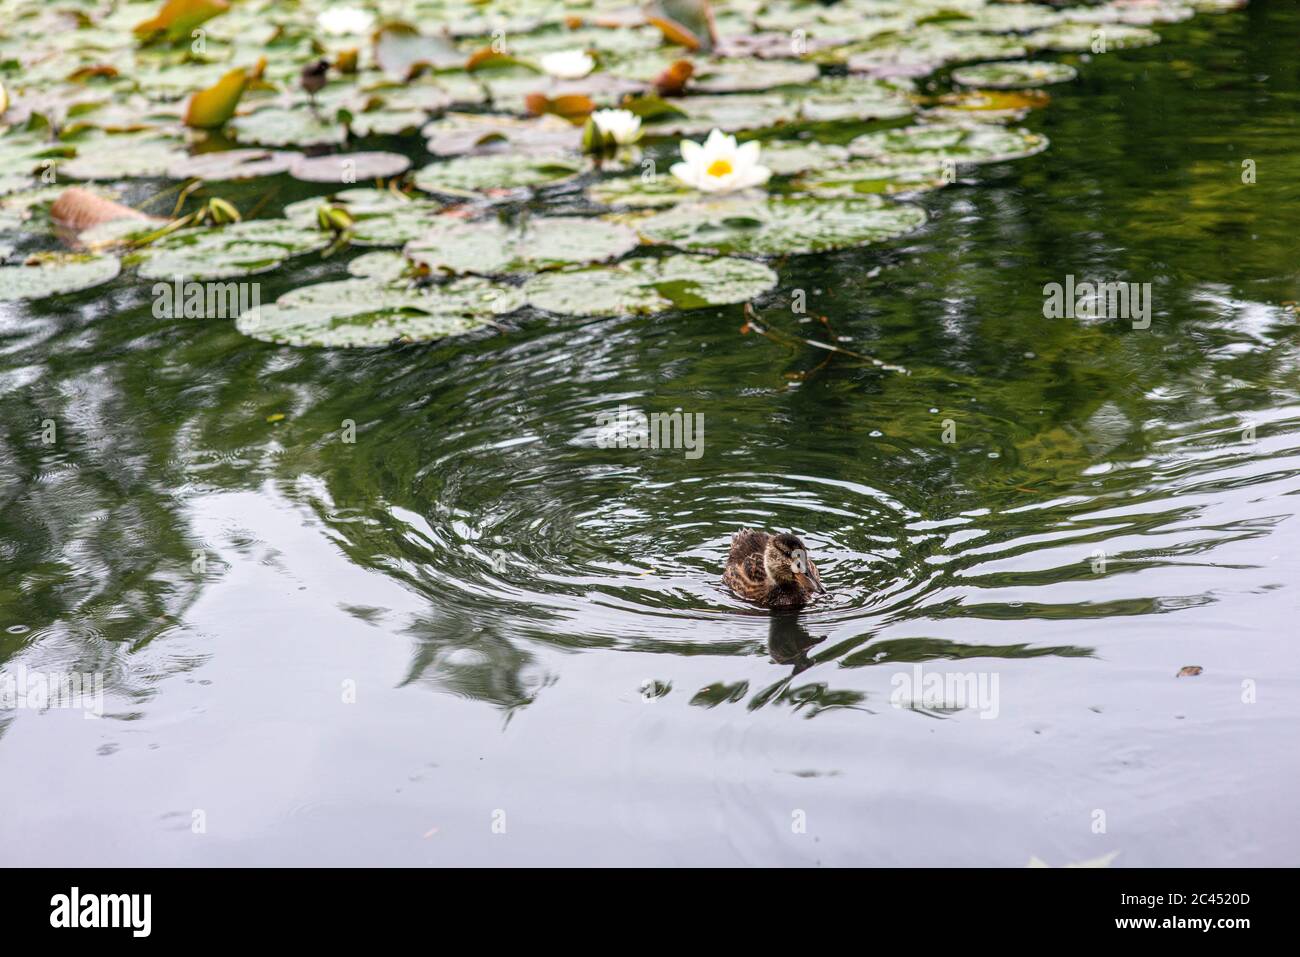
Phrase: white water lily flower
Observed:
(345, 22)
(718, 165)
(568, 64)
(622, 126)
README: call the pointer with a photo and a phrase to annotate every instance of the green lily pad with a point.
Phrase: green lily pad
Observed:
(929, 47)
(645, 286)
(122, 156)
(348, 167)
(466, 175)
(53, 274)
(1080, 37)
(858, 177)
(640, 193)
(738, 76)
(23, 155)
(277, 126)
(777, 225)
(787, 157)
(240, 249)
(837, 98)
(376, 312)
(386, 122)
(729, 113)
(382, 264)
(381, 217)
(1014, 74)
(941, 142)
(228, 165)
(492, 247)
(458, 133)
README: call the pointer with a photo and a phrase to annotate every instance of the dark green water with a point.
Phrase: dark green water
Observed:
(534, 630)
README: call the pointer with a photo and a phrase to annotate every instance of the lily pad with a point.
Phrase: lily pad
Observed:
(777, 225)
(348, 167)
(640, 193)
(838, 98)
(941, 142)
(53, 274)
(122, 156)
(492, 247)
(381, 217)
(458, 133)
(376, 312)
(277, 126)
(859, 177)
(240, 249)
(1014, 74)
(382, 264)
(644, 286)
(1081, 37)
(738, 76)
(787, 157)
(228, 165)
(466, 175)
(736, 112)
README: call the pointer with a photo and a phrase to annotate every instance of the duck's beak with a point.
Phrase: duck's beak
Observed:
(814, 579)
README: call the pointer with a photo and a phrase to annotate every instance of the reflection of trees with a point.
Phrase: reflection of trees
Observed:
(95, 557)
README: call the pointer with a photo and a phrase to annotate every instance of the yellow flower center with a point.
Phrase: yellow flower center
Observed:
(719, 167)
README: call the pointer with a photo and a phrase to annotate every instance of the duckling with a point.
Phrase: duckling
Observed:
(771, 570)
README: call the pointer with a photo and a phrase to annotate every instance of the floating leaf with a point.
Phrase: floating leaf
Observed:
(375, 312)
(777, 225)
(787, 157)
(504, 171)
(380, 265)
(735, 112)
(80, 209)
(637, 192)
(838, 98)
(1014, 74)
(178, 18)
(646, 285)
(492, 247)
(277, 126)
(380, 217)
(860, 177)
(240, 249)
(939, 143)
(459, 133)
(228, 165)
(738, 76)
(54, 274)
(212, 107)
(1083, 37)
(348, 167)
(403, 52)
(122, 156)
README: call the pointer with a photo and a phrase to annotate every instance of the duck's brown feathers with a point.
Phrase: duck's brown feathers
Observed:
(746, 573)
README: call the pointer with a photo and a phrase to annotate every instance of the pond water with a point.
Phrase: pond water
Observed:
(472, 636)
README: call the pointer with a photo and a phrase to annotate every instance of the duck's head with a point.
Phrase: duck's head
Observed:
(786, 561)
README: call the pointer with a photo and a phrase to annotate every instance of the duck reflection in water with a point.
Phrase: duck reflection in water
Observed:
(788, 641)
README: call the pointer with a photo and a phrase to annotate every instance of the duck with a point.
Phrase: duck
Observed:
(771, 570)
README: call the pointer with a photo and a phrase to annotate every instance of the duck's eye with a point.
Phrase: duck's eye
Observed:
(800, 560)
